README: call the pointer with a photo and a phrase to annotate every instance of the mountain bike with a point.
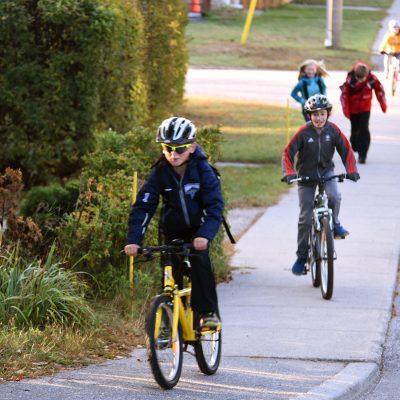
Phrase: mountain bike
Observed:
(321, 249)
(172, 325)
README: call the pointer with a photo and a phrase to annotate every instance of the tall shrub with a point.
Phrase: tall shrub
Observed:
(65, 66)
(166, 55)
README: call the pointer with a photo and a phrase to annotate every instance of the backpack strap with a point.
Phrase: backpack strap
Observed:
(305, 90)
(224, 222)
(321, 89)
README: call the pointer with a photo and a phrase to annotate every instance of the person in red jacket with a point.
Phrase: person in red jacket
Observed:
(356, 102)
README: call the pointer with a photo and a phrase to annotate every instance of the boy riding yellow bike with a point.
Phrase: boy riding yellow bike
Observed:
(192, 209)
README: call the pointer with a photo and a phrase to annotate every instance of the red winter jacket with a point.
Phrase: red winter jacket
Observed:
(356, 96)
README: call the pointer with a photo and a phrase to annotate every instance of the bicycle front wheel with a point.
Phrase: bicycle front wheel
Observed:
(208, 351)
(165, 353)
(326, 254)
(314, 258)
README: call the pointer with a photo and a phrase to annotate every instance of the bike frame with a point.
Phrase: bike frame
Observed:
(321, 208)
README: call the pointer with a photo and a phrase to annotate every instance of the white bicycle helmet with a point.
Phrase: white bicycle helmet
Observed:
(176, 130)
(393, 24)
(317, 102)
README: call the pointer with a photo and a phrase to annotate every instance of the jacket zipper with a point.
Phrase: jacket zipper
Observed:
(319, 152)
(182, 198)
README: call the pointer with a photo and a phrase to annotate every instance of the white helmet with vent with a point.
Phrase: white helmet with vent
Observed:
(176, 130)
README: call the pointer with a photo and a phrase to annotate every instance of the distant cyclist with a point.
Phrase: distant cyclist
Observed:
(313, 148)
(390, 44)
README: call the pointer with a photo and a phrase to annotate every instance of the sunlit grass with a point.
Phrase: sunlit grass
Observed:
(253, 186)
(281, 38)
(253, 132)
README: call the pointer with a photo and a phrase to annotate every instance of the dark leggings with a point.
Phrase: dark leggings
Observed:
(360, 136)
(204, 293)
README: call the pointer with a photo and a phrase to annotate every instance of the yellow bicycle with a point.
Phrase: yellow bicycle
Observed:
(172, 325)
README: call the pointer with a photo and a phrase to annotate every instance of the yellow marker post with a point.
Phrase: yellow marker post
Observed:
(249, 19)
(288, 127)
(133, 199)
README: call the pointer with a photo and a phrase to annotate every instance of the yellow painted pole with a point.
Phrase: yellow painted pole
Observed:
(133, 199)
(249, 19)
(288, 127)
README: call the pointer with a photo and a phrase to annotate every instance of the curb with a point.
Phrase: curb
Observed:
(346, 384)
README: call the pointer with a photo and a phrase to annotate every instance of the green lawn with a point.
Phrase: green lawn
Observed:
(254, 133)
(280, 38)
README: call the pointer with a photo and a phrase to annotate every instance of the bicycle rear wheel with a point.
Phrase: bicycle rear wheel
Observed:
(326, 253)
(165, 353)
(314, 258)
(208, 351)
(395, 78)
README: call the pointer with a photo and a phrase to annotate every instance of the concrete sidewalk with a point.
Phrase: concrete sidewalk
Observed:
(269, 313)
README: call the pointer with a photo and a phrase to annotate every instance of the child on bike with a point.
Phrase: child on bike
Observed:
(192, 208)
(390, 44)
(313, 147)
(310, 82)
(356, 99)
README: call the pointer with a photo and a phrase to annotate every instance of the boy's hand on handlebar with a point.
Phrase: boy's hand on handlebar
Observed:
(200, 243)
(353, 177)
(131, 249)
(288, 178)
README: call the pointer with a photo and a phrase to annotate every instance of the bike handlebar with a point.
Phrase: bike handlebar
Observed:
(181, 249)
(323, 179)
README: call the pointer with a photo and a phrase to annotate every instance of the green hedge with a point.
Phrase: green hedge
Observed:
(166, 55)
(65, 68)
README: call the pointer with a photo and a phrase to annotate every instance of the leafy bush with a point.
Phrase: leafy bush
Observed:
(32, 294)
(48, 205)
(65, 68)
(14, 228)
(165, 56)
(95, 233)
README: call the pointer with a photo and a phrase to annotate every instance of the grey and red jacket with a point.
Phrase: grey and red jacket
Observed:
(315, 152)
(192, 204)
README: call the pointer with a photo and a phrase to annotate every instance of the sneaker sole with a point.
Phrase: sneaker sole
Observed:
(341, 237)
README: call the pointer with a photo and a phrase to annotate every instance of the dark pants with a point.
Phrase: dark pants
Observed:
(360, 138)
(204, 292)
(306, 204)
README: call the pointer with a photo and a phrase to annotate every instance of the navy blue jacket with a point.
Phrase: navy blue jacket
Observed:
(191, 204)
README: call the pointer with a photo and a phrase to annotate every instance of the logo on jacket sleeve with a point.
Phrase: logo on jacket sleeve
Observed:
(191, 189)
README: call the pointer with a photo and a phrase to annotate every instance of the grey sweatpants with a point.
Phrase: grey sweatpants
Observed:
(306, 204)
